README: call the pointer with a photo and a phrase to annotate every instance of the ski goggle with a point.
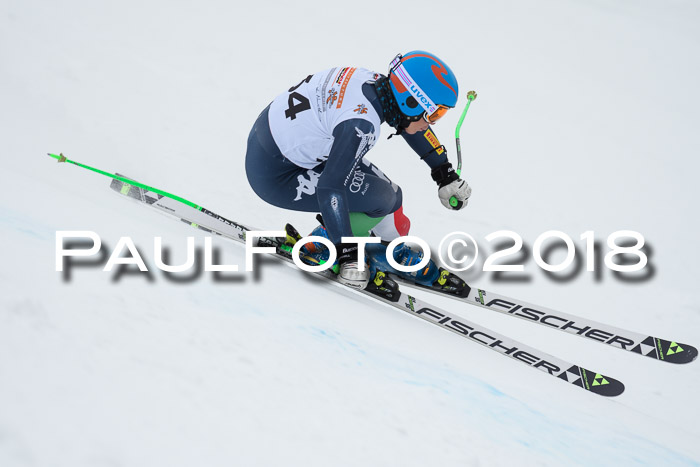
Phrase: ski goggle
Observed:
(437, 115)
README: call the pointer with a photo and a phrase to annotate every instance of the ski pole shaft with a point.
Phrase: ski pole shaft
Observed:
(471, 95)
(62, 158)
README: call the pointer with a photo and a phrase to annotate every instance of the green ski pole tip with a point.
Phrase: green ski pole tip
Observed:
(471, 95)
(59, 158)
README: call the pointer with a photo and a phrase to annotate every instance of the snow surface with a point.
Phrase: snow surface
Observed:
(586, 120)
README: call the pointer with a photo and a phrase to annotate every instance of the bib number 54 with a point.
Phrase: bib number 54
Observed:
(297, 102)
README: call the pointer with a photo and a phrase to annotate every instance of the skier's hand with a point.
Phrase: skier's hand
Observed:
(454, 192)
(455, 195)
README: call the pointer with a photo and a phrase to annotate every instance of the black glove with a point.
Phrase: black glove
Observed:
(444, 174)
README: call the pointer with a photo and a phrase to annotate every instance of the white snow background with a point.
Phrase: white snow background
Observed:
(586, 119)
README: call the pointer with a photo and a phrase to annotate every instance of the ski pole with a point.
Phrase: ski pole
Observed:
(62, 158)
(471, 95)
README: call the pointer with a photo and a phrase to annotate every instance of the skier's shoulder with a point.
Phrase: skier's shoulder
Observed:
(352, 102)
(350, 75)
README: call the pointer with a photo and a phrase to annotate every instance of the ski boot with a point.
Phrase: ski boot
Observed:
(315, 253)
(430, 277)
(346, 266)
(312, 254)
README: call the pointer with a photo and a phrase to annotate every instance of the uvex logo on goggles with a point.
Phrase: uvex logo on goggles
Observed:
(433, 112)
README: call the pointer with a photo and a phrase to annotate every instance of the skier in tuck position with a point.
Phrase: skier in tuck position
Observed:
(306, 152)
